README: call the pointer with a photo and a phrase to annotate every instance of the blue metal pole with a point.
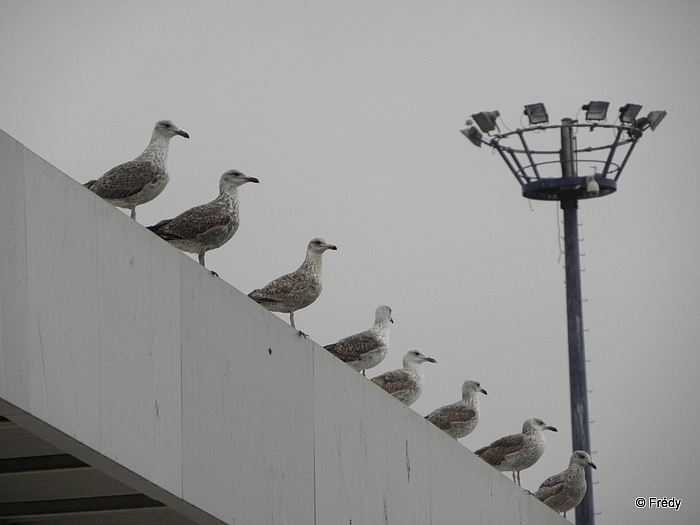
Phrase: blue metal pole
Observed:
(580, 433)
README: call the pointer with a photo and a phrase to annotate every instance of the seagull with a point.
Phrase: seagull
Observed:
(405, 384)
(459, 419)
(563, 491)
(517, 451)
(210, 225)
(298, 289)
(366, 349)
(142, 179)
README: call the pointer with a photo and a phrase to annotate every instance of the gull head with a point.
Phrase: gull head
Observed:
(417, 357)
(168, 129)
(470, 386)
(383, 315)
(537, 424)
(319, 245)
(581, 457)
(234, 178)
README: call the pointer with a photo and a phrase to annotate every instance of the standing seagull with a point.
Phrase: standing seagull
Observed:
(298, 289)
(405, 384)
(459, 419)
(565, 490)
(366, 349)
(210, 225)
(517, 451)
(142, 179)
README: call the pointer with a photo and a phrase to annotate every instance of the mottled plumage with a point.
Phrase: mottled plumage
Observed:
(405, 384)
(459, 419)
(142, 179)
(517, 451)
(298, 289)
(366, 349)
(563, 491)
(209, 226)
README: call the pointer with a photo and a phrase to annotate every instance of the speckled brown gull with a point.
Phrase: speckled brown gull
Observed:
(298, 289)
(460, 419)
(406, 384)
(563, 491)
(142, 179)
(517, 451)
(366, 349)
(209, 226)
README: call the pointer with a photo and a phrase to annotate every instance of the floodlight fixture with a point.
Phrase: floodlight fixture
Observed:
(596, 110)
(486, 120)
(651, 121)
(537, 114)
(629, 112)
(655, 118)
(474, 135)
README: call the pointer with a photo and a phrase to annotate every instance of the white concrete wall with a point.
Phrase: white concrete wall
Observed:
(138, 360)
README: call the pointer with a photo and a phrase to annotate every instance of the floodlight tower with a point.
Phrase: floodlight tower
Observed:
(530, 166)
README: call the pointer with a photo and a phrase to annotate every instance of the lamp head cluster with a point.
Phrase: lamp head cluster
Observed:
(530, 163)
(596, 111)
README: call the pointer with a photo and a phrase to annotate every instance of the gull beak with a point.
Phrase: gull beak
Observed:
(252, 179)
(483, 391)
(553, 429)
(183, 133)
(391, 319)
(430, 360)
(332, 247)
(592, 465)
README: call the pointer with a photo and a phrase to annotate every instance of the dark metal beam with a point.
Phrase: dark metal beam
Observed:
(26, 509)
(38, 463)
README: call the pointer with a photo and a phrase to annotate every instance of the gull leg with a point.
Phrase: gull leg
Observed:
(291, 321)
(514, 478)
(200, 257)
(519, 479)
(133, 213)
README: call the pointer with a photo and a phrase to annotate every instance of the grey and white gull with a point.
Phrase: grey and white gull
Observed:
(140, 180)
(209, 226)
(517, 451)
(406, 384)
(460, 419)
(298, 289)
(366, 349)
(563, 491)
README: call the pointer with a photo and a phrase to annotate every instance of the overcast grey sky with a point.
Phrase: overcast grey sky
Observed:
(349, 114)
